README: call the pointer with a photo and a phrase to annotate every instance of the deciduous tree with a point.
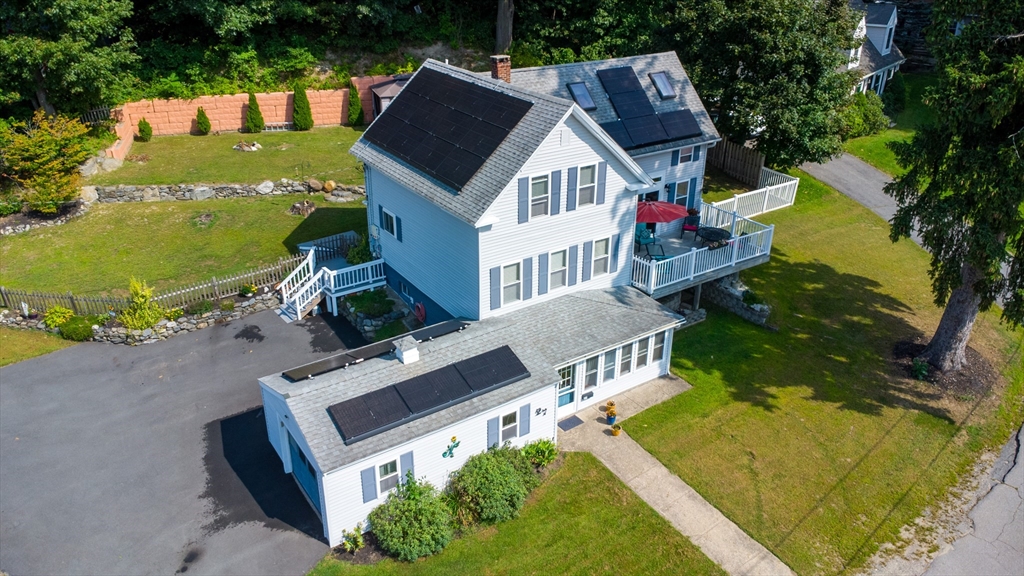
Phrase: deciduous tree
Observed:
(964, 188)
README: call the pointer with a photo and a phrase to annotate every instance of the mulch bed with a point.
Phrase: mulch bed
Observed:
(973, 381)
(370, 554)
(28, 218)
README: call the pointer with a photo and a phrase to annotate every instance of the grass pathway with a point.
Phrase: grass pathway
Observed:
(803, 437)
(17, 345)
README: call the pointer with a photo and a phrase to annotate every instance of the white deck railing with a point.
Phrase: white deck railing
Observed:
(335, 284)
(299, 277)
(777, 190)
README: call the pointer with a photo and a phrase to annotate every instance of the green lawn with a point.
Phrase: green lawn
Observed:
(873, 150)
(211, 160)
(17, 345)
(802, 436)
(165, 243)
(720, 186)
(583, 520)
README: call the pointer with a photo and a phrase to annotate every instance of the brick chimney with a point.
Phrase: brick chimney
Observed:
(501, 68)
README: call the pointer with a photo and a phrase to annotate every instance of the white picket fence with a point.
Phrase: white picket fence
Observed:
(778, 191)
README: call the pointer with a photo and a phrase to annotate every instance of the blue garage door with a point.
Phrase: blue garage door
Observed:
(304, 473)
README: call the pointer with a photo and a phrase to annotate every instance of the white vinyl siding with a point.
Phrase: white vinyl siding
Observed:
(438, 253)
(507, 240)
(341, 488)
(679, 174)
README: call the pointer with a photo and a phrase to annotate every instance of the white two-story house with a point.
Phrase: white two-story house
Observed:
(507, 214)
(877, 58)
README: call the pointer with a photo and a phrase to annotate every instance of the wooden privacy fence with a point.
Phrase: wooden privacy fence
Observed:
(214, 289)
(738, 161)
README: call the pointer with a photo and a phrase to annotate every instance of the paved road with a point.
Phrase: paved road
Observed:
(995, 546)
(154, 459)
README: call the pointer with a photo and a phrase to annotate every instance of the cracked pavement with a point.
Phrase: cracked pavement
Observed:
(994, 543)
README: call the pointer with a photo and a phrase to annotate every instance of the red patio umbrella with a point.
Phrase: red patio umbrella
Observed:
(654, 211)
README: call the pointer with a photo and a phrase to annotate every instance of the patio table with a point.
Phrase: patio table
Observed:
(712, 234)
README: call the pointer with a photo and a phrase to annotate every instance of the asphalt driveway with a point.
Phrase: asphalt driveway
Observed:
(154, 459)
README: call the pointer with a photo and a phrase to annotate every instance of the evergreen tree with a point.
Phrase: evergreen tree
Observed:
(964, 186)
(145, 131)
(302, 116)
(253, 117)
(202, 122)
(355, 106)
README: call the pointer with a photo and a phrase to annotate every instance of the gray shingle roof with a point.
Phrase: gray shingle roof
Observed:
(543, 336)
(553, 80)
(498, 170)
(879, 14)
(871, 60)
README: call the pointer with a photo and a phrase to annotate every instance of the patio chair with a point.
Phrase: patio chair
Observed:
(643, 235)
(691, 224)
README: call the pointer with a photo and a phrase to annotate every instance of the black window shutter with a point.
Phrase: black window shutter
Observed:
(691, 202)
(588, 256)
(675, 157)
(615, 253)
(398, 228)
(602, 171)
(573, 253)
(495, 287)
(671, 193)
(380, 215)
(527, 278)
(556, 192)
(696, 153)
(542, 274)
(524, 200)
(570, 191)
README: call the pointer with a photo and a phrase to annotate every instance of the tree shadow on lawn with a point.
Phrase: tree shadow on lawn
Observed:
(836, 333)
(327, 221)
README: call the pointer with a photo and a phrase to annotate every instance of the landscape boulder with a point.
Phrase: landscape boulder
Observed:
(315, 185)
(329, 186)
(265, 187)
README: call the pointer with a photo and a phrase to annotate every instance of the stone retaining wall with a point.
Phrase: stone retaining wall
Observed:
(156, 193)
(369, 325)
(163, 330)
(728, 293)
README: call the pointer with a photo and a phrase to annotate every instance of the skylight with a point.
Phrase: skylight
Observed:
(663, 84)
(582, 96)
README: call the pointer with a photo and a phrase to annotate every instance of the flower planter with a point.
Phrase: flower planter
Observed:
(611, 418)
(616, 430)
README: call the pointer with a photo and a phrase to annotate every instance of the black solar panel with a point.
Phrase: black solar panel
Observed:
(372, 411)
(622, 79)
(645, 130)
(491, 369)
(372, 351)
(679, 124)
(375, 412)
(617, 130)
(320, 367)
(446, 127)
(632, 104)
(431, 332)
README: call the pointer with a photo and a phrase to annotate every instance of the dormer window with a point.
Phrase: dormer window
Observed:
(582, 96)
(888, 39)
(663, 85)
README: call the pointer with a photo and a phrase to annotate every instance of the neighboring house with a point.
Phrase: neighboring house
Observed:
(877, 58)
(508, 212)
(385, 92)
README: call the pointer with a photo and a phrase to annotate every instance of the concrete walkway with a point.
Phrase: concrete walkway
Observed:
(995, 544)
(716, 536)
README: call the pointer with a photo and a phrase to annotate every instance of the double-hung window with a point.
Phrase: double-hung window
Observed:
(567, 385)
(609, 366)
(602, 251)
(659, 347)
(642, 352)
(626, 360)
(509, 428)
(559, 262)
(388, 222)
(588, 185)
(511, 284)
(590, 372)
(388, 474)
(539, 196)
(686, 154)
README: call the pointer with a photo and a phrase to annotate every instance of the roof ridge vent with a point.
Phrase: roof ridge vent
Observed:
(407, 350)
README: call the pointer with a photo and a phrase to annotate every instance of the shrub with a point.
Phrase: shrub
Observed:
(919, 369)
(863, 116)
(247, 290)
(174, 313)
(413, 521)
(360, 253)
(520, 463)
(141, 312)
(750, 298)
(541, 452)
(372, 302)
(353, 542)
(57, 315)
(488, 489)
(355, 106)
(227, 305)
(145, 131)
(253, 116)
(202, 122)
(77, 328)
(42, 157)
(894, 99)
(9, 203)
(302, 116)
(201, 307)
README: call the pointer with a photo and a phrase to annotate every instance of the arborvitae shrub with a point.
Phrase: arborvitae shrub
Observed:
(355, 106)
(253, 117)
(302, 116)
(145, 130)
(202, 122)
